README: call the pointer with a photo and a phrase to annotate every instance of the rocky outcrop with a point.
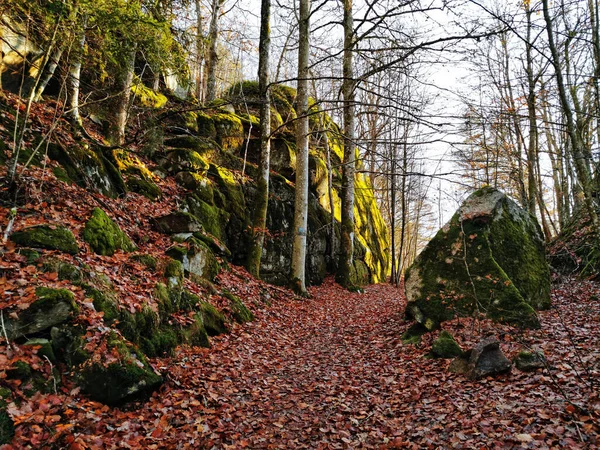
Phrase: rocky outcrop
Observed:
(487, 260)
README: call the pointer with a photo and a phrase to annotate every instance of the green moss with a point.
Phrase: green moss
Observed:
(45, 348)
(61, 174)
(130, 164)
(445, 346)
(185, 160)
(174, 273)
(20, 370)
(149, 261)
(196, 334)
(48, 297)
(229, 128)
(7, 427)
(240, 312)
(213, 219)
(143, 187)
(213, 320)
(104, 236)
(413, 334)
(31, 255)
(64, 270)
(206, 126)
(118, 381)
(162, 342)
(49, 237)
(189, 301)
(104, 301)
(147, 97)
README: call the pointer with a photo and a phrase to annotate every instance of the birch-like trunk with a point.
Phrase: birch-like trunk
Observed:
(346, 263)
(262, 199)
(301, 201)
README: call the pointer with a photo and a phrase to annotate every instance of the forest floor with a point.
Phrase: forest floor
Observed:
(332, 372)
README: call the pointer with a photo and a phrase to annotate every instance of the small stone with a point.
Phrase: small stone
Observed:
(529, 361)
(487, 359)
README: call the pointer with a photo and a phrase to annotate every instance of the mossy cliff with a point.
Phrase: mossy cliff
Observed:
(487, 260)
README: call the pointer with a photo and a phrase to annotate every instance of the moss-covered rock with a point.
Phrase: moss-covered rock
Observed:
(176, 222)
(144, 187)
(213, 320)
(229, 130)
(148, 98)
(119, 381)
(213, 220)
(530, 360)
(50, 237)
(44, 348)
(65, 271)
(489, 259)
(104, 236)
(52, 307)
(196, 334)
(149, 261)
(89, 167)
(445, 346)
(196, 258)
(240, 312)
(104, 300)
(180, 160)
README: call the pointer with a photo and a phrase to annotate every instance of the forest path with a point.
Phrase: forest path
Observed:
(332, 372)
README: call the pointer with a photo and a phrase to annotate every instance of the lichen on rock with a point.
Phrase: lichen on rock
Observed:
(488, 259)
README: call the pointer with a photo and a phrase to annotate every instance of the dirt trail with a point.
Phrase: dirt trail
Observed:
(332, 372)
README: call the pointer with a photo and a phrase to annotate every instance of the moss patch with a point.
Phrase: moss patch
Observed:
(240, 312)
(149, 261)
(445, 346)
(49, 237)
(213, 320)
(118, 381)
(143, 187)
(104, 236)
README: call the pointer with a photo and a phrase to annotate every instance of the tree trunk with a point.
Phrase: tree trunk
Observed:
(74, 78)
(124, 81)
(211, 64)
(262, 199)
(301, 201)
(199, 53)
(576, 142)
(346, 264)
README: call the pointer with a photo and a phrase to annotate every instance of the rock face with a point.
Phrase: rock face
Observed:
(488, 259)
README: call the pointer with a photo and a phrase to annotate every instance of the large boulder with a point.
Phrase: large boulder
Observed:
(488, 259)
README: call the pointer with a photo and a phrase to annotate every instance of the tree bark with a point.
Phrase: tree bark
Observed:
(301, 201)
(211, 64)
(75, 75)
(262, 200)
(346, 264)
(124, 81)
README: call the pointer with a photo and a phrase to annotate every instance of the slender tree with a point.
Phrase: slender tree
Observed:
(300, 231)
(259, 224)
